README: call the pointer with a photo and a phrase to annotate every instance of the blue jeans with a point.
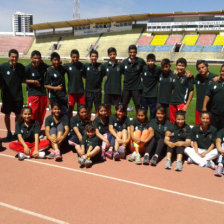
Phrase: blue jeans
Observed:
(151, 103)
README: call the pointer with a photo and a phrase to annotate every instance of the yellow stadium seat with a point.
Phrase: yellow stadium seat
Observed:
(219, 40)
(159, 40)
(190, 39)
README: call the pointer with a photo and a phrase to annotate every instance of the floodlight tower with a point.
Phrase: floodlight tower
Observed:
(76, 9)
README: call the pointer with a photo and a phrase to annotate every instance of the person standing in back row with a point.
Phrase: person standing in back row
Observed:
(165, 86)
(37, 97)
(203, 80)
(183, 90)
(75, 71)
(133, 67)
(112, 87)
(55, 83)
(215, 96)
(12, 74)
(150, 81)
(94, 73)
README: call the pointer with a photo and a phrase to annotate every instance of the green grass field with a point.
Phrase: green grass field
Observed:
(191, 111)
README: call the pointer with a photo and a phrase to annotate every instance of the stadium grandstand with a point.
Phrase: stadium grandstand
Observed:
(21, 43)
(191, 35)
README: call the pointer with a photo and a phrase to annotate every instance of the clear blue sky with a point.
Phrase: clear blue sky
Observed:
(59, 10)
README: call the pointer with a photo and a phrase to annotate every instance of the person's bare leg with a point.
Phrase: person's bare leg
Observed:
(79, 150)
(94, 152)
(124, 137)
(54, 145)
(179, 157)
(116, 145)
(169, 155)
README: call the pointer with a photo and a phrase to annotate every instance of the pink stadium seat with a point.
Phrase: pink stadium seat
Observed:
(174, 39)
(206, 39)
(145, 40)
(22, 44)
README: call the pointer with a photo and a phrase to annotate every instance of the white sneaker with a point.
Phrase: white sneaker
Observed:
(167, 164)
(138, 159)
(88, 163)
(81, 161)
(22, 156)
(210, 164)
(41, 155)
(131, 158)
(179, 165)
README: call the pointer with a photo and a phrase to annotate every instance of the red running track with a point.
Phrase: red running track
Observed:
(109, 192)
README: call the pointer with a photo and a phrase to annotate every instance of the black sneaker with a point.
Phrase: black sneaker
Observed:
(146, 159)
(153, 161)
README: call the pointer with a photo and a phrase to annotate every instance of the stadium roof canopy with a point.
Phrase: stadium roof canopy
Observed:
(119, 19)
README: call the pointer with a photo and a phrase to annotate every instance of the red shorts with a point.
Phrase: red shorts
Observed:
(173, 110)
(197, 117)
(73, 98)
(38, 105)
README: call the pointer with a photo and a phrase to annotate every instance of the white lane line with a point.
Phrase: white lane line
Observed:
(123, 181)
(32, 213)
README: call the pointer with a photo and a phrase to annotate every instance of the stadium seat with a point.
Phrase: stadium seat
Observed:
(159, 40)
(219, 40)
(190, 39)
(212, 48)
(174, 39)
(44, 45)
(82, 43)
(206, 39)
(145, 48)
(161, 48)
(22, 44)
(119, 40)
(191, 48)
(144, 40)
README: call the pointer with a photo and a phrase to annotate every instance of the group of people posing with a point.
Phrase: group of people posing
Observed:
(166, 93)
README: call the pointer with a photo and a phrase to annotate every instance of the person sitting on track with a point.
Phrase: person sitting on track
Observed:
(89, 151)
(56, 130)
(220, 146)
(77, 127)
(177, 139)
(101, 123)
(28, 131)
(140, 135)
(159, 126)
(119, 127)
(203, 137)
